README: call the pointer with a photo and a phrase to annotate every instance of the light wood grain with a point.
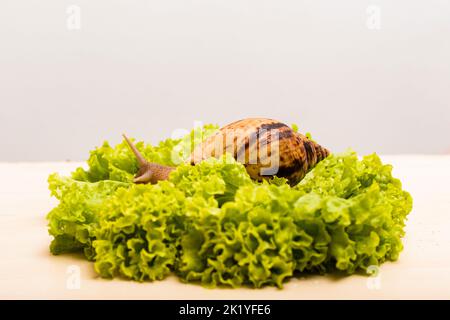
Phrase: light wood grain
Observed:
(28, 270)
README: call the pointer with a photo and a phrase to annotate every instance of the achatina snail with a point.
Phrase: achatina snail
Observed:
(252, 142)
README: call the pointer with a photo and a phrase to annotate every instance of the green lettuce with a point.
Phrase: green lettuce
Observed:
(72, 222)
(211, 224)
(138, 230)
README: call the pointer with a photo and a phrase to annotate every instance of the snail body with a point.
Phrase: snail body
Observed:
(265, 147)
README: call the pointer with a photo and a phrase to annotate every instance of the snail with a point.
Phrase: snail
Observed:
(265, 147)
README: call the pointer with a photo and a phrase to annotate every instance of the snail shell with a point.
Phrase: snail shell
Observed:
(265, 147)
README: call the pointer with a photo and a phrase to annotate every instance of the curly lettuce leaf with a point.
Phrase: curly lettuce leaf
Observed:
(219, 178)
(210, 223)
(137, 232)
(348, 220)
(71, 223)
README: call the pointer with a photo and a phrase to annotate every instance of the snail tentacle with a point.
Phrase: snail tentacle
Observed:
(140, 158)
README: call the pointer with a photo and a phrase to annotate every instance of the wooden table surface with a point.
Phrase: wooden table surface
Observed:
(28, 270)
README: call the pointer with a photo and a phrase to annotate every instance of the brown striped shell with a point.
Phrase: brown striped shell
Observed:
(266, 147)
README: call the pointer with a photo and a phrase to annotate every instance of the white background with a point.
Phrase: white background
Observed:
(149, 67)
